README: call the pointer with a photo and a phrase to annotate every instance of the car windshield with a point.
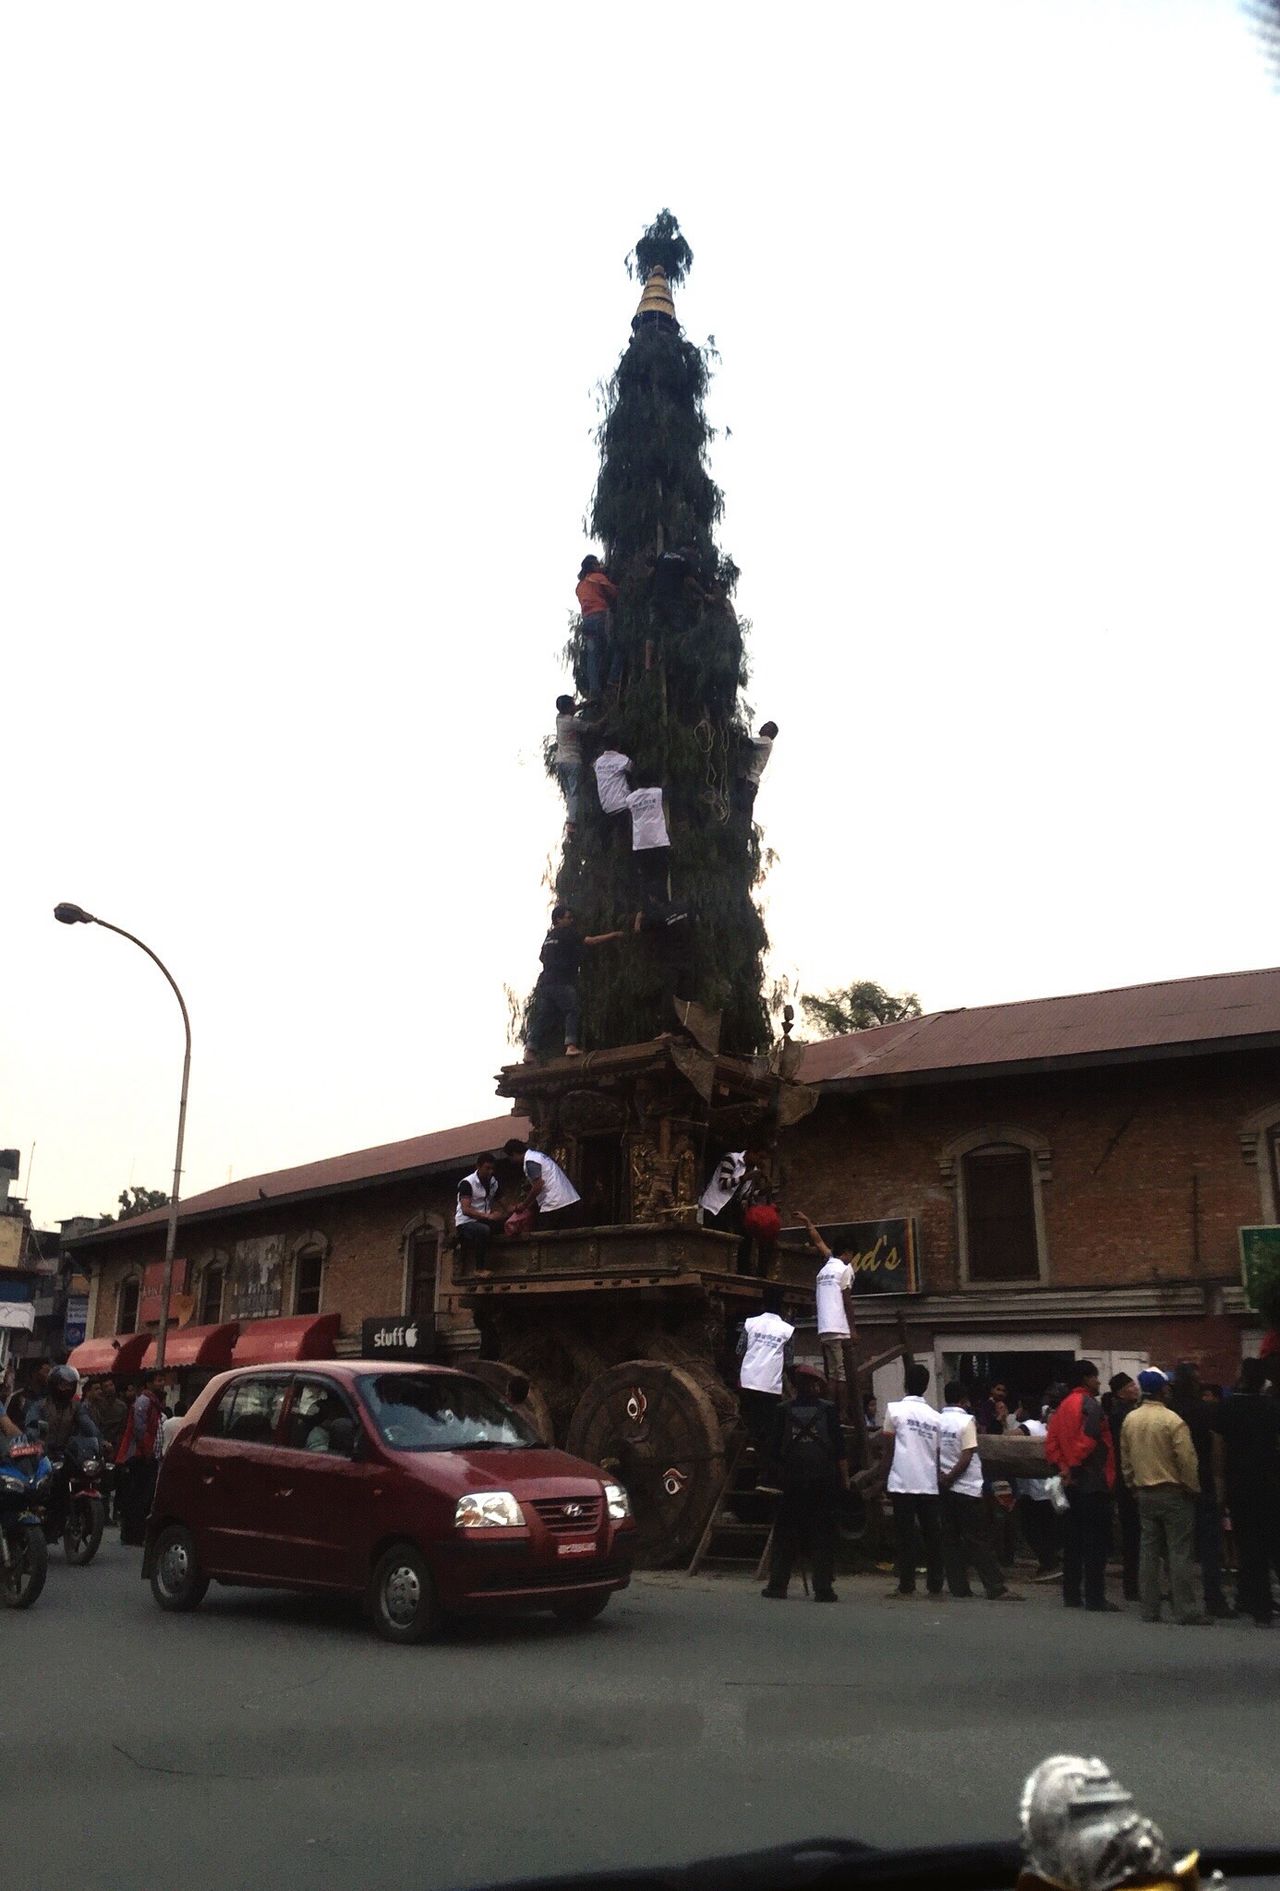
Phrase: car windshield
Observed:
(435, 1412)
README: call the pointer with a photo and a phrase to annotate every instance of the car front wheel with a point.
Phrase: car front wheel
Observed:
(402, 1596)
(177, 1580)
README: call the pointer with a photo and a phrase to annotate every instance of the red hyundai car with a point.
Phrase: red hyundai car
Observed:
(414, 1486)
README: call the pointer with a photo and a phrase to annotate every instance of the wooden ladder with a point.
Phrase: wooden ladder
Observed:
(726, 1542)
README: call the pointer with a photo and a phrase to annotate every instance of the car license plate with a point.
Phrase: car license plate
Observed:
(575, 1549)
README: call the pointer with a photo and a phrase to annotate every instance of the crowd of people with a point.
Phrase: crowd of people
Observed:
(124, 1427)
(1156, 1477)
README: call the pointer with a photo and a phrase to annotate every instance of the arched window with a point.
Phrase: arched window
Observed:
(422, 1266)
(127, 1295)
(997, 1175)
(212, 1285)
(308, 1279)
(309, 1271)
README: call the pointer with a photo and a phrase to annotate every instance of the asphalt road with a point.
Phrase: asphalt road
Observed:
(272, 1741)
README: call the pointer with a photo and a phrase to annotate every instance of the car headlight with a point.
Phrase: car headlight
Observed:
(617, 1503)
(488, 1509)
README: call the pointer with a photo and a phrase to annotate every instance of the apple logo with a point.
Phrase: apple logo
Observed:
(411, 1337)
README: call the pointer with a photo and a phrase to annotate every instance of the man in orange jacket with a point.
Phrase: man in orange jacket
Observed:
(1078, 1445)
(597, 594)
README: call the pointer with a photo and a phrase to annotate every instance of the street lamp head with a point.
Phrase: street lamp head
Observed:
(69, 915)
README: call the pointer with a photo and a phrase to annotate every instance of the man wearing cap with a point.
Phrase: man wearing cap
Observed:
(812, 1468)
(1158, 1463)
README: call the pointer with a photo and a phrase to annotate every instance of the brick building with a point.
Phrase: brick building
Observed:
(1073, 1173)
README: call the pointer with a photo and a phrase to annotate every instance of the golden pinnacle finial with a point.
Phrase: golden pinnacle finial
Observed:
(656, 305)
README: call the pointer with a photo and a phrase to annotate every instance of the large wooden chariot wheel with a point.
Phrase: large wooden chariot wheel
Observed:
(508, 1381)
(656, 1429)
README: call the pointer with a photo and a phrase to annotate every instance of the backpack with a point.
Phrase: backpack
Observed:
(807, 1458)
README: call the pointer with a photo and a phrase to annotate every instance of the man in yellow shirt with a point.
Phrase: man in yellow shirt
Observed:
(1158, 1464)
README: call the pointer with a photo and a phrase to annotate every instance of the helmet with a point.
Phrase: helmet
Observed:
(65, 1381)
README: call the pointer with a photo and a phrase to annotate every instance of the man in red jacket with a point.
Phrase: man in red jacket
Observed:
(1079, 1447)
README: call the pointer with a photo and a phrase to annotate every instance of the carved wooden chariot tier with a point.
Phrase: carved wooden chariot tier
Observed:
(625, 1327)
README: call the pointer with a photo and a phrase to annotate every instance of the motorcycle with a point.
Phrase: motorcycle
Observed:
(81, 1517)
(24, 1559)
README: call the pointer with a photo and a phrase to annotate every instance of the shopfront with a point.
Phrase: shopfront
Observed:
(195, 1354)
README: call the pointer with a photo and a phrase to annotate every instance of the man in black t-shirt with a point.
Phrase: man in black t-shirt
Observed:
(675, 591)
(1249, 1426)
(1125, 1396)
(667, 925)
(1189, 1403)
(808, 1452)
(556, 1004)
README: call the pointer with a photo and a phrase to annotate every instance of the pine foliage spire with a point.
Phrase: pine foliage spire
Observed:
(678, 711)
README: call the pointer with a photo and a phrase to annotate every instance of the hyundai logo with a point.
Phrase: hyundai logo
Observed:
(575, 1510)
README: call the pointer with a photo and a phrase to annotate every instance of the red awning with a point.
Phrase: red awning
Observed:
(122, 1354)
(275, 1342)
(194, 1346)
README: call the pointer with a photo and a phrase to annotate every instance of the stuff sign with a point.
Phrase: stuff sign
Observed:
(397, 1338)
(883, 1253)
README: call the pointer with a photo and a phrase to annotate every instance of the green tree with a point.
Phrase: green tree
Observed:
(138, 1201)
(858, 1007)
(678, 712)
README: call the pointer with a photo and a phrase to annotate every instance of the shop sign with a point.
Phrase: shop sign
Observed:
(397, 1337)
(255, 1279)
(1259, 1251)
(883, 1252)
(153, 1290)
(76, 1323)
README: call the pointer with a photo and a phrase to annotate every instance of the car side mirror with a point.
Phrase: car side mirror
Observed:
(344, 1438)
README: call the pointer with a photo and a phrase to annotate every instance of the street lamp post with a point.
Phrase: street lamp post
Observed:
(76, 916)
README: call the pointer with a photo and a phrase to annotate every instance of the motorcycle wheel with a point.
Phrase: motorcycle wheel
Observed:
(23, 1578)
(86, 1520)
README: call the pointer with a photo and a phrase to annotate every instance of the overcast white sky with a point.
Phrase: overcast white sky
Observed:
(305, 306)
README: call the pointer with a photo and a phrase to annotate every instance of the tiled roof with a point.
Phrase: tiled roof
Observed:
(1191, 1013)
(443, 1149)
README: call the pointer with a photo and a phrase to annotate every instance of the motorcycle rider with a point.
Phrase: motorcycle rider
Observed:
(61, 1424)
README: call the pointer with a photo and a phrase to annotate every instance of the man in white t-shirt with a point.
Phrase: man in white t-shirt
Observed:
(754, 761)
(833, 1288)
(548, 1191)
(475, 1218)
(717, 1197)
(1035, 1509)
(765, 1350)
(911, 1434)
(650, 841)
(966, 1539)
(611, 767)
